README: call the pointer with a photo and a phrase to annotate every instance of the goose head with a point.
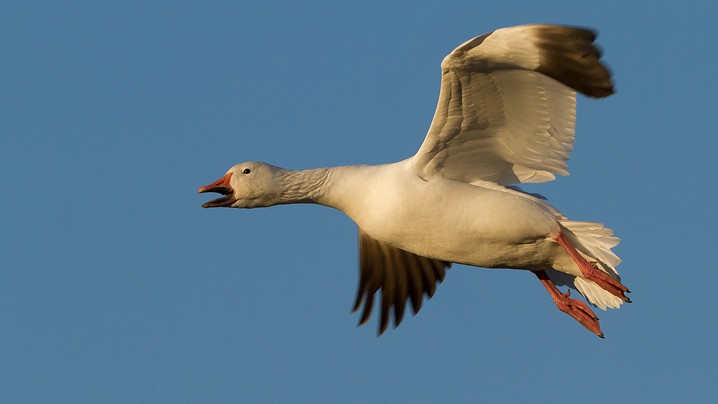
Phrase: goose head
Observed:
(246, 185)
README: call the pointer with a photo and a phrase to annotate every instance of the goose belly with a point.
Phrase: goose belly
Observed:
(463, 223)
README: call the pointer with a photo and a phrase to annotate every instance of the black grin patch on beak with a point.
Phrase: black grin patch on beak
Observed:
(225, 201)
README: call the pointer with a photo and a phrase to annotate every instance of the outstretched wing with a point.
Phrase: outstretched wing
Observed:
(399, 274)
(507, 105)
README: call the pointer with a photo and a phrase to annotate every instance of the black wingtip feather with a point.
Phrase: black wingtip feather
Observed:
(398, 275)
(568, 54)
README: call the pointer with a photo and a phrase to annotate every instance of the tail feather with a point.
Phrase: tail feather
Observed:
(597, 295)
(594, 241)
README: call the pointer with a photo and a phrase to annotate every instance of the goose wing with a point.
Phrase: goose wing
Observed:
(507, 105)
(400, 275)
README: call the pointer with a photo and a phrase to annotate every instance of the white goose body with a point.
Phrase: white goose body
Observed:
(506, 115)
(444, 219)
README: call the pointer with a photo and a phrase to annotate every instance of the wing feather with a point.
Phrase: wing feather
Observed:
(400, 275)
(507, 105)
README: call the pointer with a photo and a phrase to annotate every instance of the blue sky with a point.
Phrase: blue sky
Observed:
(116, 286)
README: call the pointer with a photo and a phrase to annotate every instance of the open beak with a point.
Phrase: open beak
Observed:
(221, 186)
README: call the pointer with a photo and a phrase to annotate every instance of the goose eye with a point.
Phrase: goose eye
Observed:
(247, 171)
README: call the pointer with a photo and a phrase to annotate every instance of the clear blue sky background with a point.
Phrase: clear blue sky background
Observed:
(116, 286)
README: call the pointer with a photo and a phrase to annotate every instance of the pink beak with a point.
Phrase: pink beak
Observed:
(221, 186)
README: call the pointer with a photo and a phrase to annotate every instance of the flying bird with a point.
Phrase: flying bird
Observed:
(506, 115)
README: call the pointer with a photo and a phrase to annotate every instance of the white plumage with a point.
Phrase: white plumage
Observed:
(506, 115)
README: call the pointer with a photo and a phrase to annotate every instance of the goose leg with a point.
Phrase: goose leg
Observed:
(591, 272)
(573, 307)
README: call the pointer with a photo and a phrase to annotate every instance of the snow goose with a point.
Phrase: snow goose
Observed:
(506, 115)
